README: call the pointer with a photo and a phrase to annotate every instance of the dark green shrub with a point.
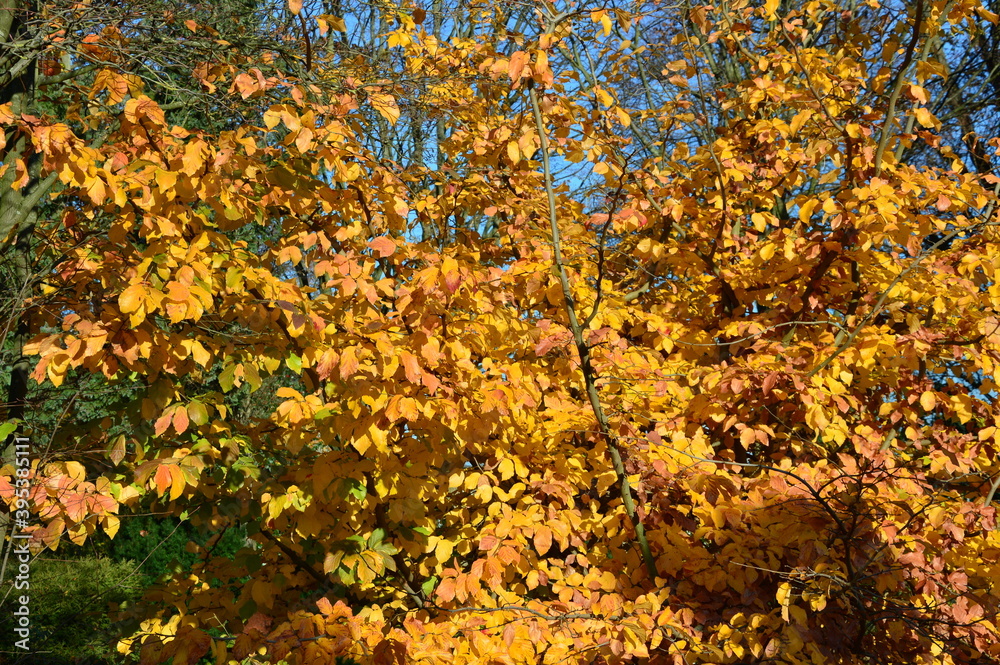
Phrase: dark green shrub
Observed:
(71, 602)
(159, 545)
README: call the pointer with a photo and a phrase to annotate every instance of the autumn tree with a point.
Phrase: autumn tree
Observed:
(78, 63)
(575, 334)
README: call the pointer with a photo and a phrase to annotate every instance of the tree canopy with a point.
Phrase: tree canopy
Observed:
(529, 332)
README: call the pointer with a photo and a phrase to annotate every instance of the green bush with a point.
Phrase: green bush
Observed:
(70, 604)
(159, 545)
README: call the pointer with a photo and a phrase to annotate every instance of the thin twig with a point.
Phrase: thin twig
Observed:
(897, 87)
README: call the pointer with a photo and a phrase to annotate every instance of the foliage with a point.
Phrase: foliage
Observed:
(566, 352)
(70, 615)
(157, 546)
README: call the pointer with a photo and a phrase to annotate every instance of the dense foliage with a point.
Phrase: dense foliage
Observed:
(534, 333)
(74, 603)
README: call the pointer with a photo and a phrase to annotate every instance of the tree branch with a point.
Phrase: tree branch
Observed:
(589, 376)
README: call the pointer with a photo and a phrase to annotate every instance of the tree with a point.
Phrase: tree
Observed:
(77, 63)
(564, 352)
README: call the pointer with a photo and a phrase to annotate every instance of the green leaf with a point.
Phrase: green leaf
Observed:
(234, 278)
(248, 609)
(253, 378)
(8, 428)
(351, 487)
(247, 466)
(227, 377)
(249, 561)
(387, 560)
(197, 413)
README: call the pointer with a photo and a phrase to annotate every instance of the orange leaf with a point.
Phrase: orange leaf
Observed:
(324, 605)
(383, 245)
(411, 366)
(446, 590)
(180, 419)
(178, 292)
(142, 108)
(348, 362)
(515, 68)
(163, 422)
(543, 539)
(162, 478)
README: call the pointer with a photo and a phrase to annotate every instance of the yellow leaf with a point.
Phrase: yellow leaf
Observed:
(132, 298)
(444, 550)
(262, 593)
(379, 437)
(718, 517)
(925, 117)
(506, 469)
(799, 120)
(272, 117)
(117, 452)
(513, 152)
(928, 400)
(165, 180)
(784, 594)
(200, 354)
(385, 105)
(177, 482)
(806, 210)
(449, 270)
(111, 523)
(361, 444)
(936, 516)
(623, 116)
(337, 23)
(197, 413)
